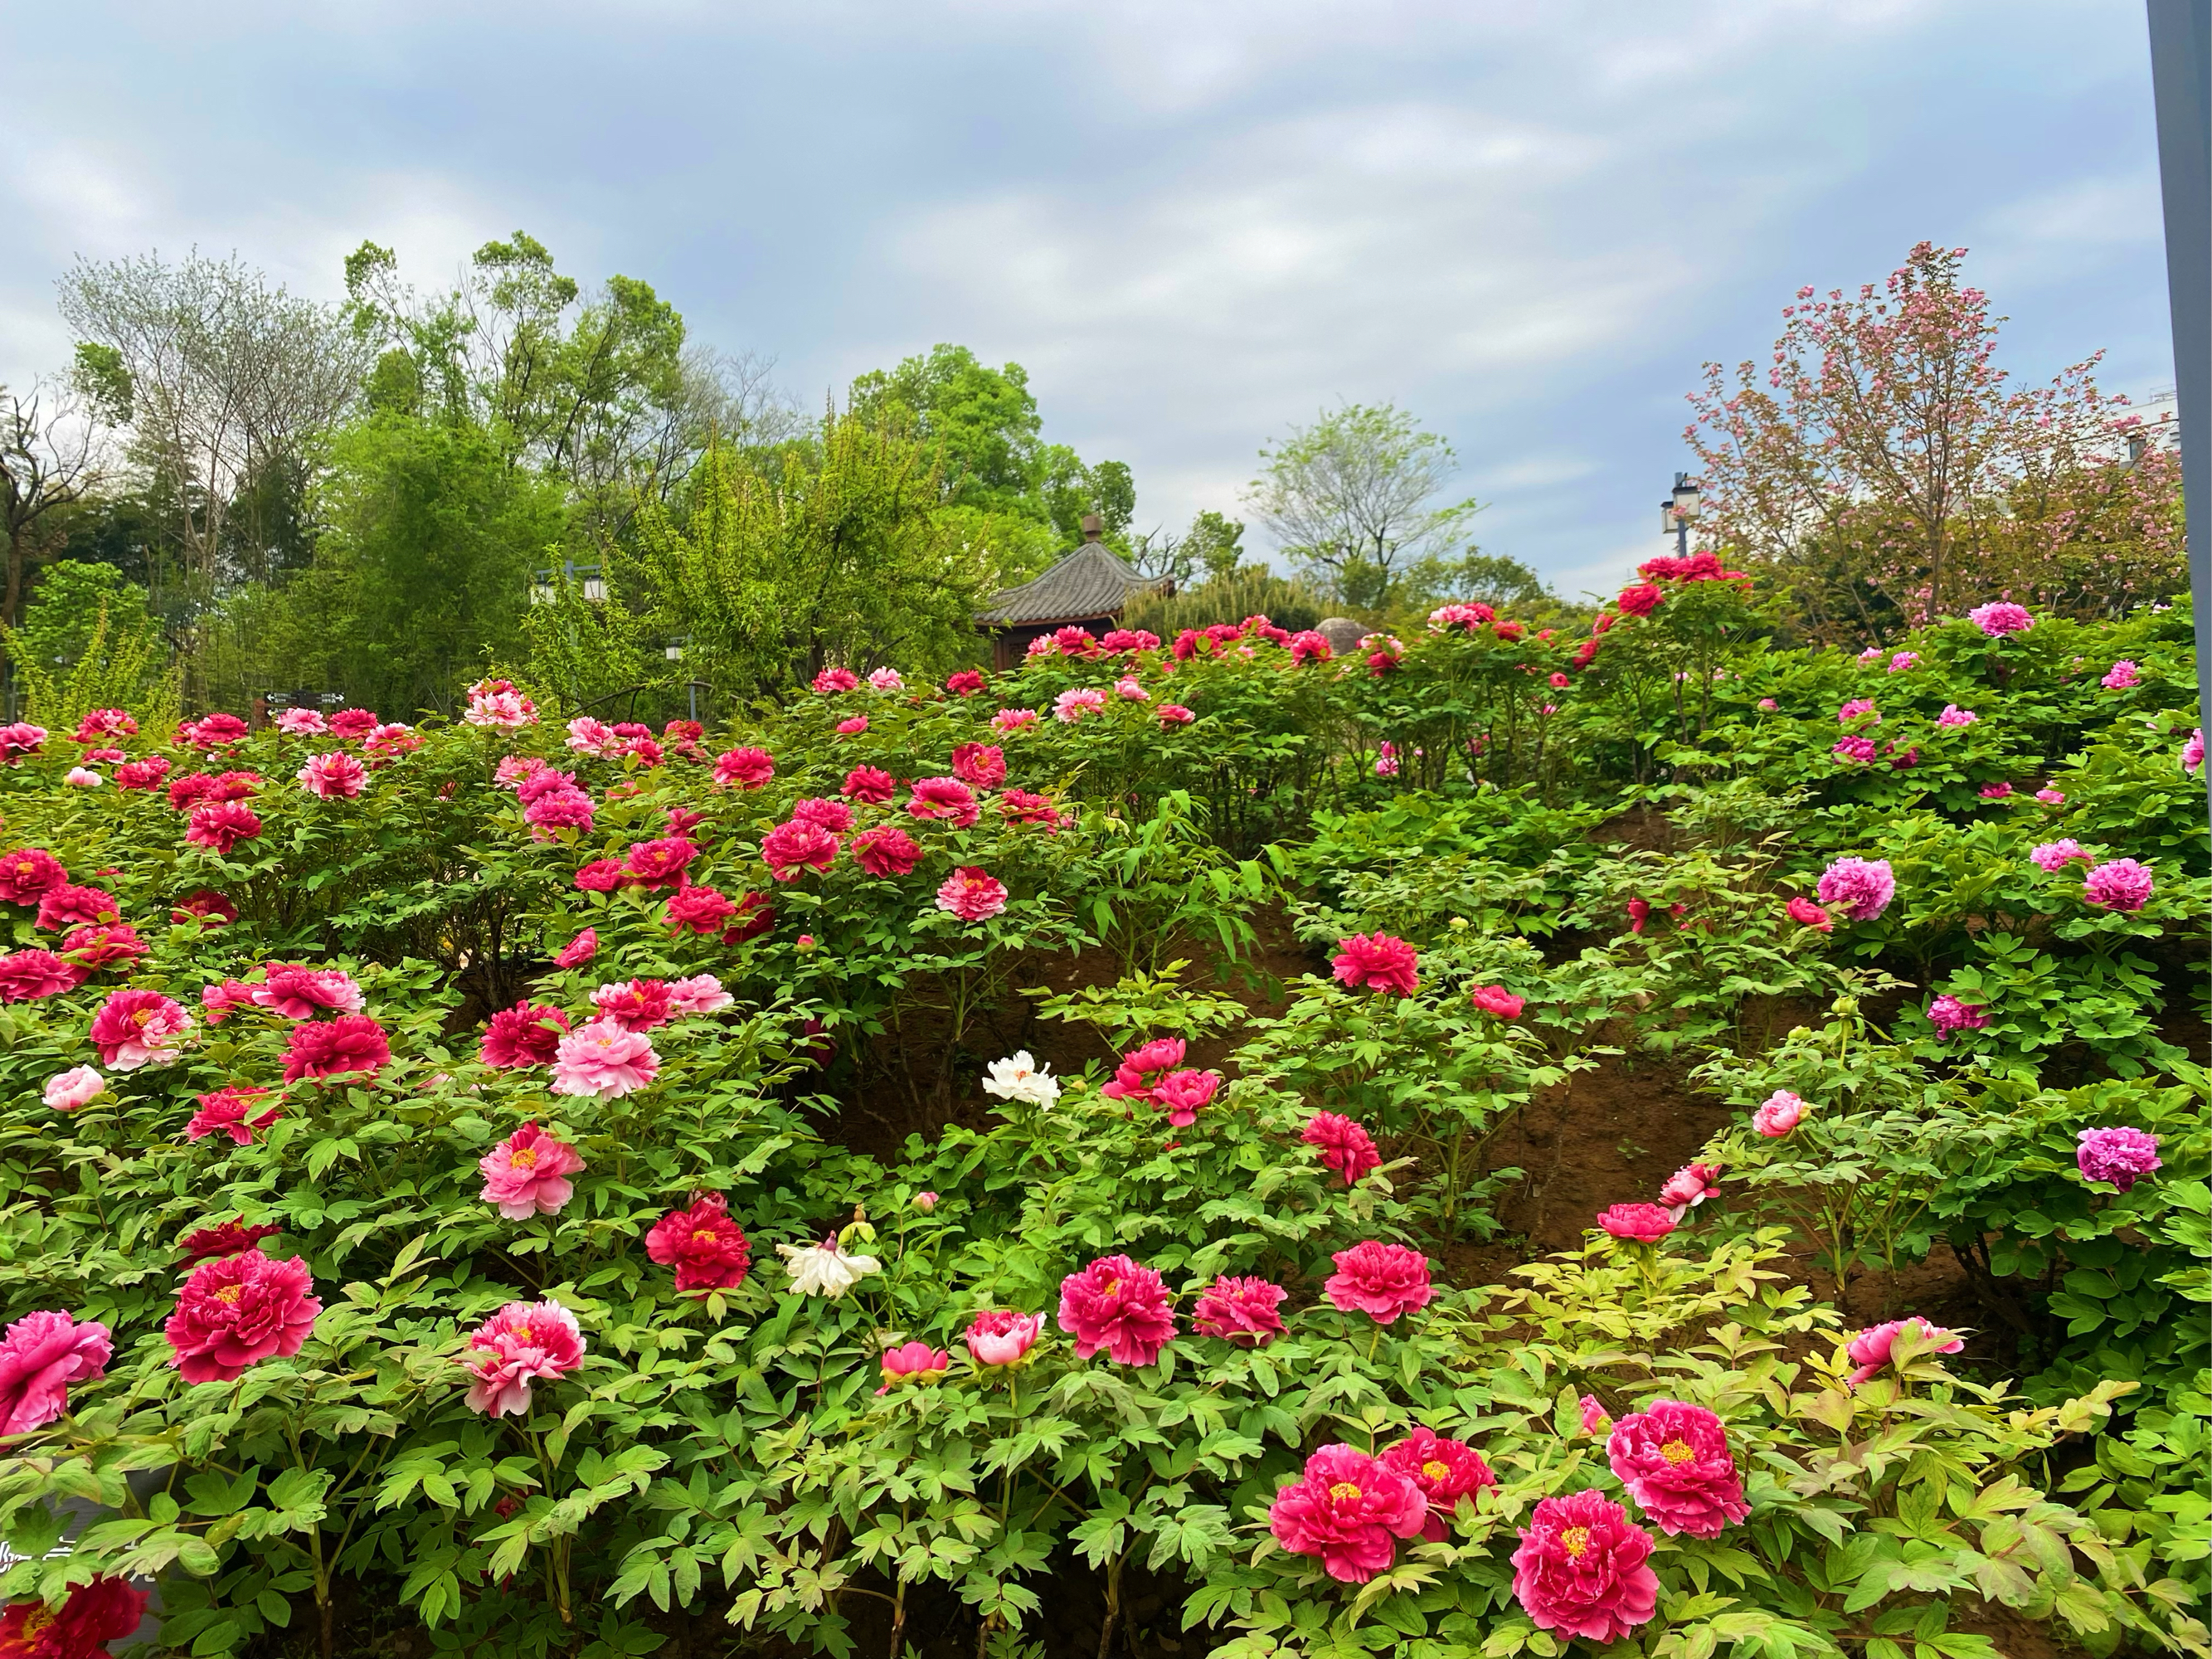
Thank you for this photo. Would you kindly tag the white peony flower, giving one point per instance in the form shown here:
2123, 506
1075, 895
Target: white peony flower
825, 1269
1020, 1077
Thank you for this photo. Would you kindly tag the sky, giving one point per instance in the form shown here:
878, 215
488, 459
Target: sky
1196, 224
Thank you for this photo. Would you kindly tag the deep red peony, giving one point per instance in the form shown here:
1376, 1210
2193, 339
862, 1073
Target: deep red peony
225, 1238
1445, 1471
336, 1048
708, 1250
1118, 1306
96, 1614
237, 1311
525, 1034
1377, 961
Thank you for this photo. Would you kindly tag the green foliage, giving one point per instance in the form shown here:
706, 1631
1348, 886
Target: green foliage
87, 642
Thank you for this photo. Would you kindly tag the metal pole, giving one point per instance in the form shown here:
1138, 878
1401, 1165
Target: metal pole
2181, 84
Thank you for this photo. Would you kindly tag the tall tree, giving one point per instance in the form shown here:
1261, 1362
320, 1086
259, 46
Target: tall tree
49, 460
1349, 497
220, 377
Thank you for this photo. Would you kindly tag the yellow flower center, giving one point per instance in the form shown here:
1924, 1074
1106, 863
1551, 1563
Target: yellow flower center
520, 1333
1345, 1491
1435, 1471
228, 1294
37, 1619
139, 1019
522, 1157
24, 869
1577, 1539
1113, 1289
1677, 1451
703, 1236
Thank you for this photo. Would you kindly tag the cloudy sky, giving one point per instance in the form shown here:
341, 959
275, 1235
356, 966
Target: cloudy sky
1195, 222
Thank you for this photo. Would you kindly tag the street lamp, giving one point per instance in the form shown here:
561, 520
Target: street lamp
1676, 511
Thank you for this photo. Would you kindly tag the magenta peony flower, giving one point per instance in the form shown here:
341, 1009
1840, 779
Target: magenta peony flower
790, 850
1902, 661
350, 1043
139, 1028
1174, 713
708, 1250
1583, 1568
2193, 753
1994, 792
491, 703
40, 1356
1001, 1337
1073, 704
1639, 1224
1999, 618
579, 951
2122, 675
965, 683
527, 1034
1689, 1186
1806, 913
1870, 1349
756, 916
230, 1112
599, 876
1496, 1000
743, 769
1952, 715
887, 850
947, 800
852, 726
1183, 1094
29, 873
1343, 1146
95, 949
1117, 1305
2121, 885
1857, 750
291, 991
1863, 887
1595, 1419
1950, 1016
831, 681
33, 976
1348, 1510
74, 907
337, 775
1640, 599
220, 825
971, 894
1240, 1311
2056, 855
1142, 1067
1377, 961
2120, 1155
1380, 1280
601, 1059
1675, 1460
521, 1343
869, 785
1025, 806
1778, 1114
65, 1091
698, 910
1445, 1471
238, 1310
527, 1173
835, 816
224, 1238
659, 863
1014, 720
983, 764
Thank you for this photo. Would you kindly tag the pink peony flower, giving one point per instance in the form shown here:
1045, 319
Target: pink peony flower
971, 894
835, 816
790, 850
886, 679
1240, 1311
1949, 1016
2051, 797
1640, 1223
1496, 1000
708, 1250
1024, 806
1444, 1470
228, 1112
599, 1058
1380, 1280
19, 739
699, 910
522, 1343
494, 702
1952, 715
1857, 708
743, 769
1999, 618
1129, 688
1183, 1094
1595, 1419
698, 996
913, 1362
29, 873
830, 680
635, 1005
1778, 1114
528, 1033
527, 1174
1348, 1510
2056, 855
1073, 704
947, 800
599, 876
1902, 661
1174, 713
2121, 885
73, 906
1014, 720
350, 1043
1309, 645
1863, 887
220, 825
352, 724
870, 785
291, 992
2120, 1156
1117, 1305
1001, 1336
2193, 753
1344, 1147
1675, 1460
887, 850
1995, 791
83, 777
1377, 961
983, 764
390, 741
336, 775
852, 726
102, 724
1583, 1568
1143, 1067
550, 810
2122, 675
1689, 1186
236, 1311
579, 951
33, 976
41, 1354
1806, 913
1870, 1349
140, 1028
80, 1085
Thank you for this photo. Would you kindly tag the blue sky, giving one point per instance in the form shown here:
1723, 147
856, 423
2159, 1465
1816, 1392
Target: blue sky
1195, 223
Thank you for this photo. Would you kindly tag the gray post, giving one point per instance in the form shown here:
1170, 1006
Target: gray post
2181, 84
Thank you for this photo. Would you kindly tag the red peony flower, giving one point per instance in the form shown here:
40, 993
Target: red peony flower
1583, 1567
1380, 1280
1642, 1224
220, 825
144, 775
28, 874
1142, 1067
983, 764
790, 850
1240, 1311
578, 951
40, 1356
699, 910
96, 1614
72, 907
756, 916
294, 992
869, 785
1344, 1147
1496, 1000
207, 905
708, 1250
1118, 1306
1640, 599
351, 1044
28, 976
659, 863
237, 1311
225, 1238
599, 876
1348, 1510
1184, 1095
1022, 806
1806, 913
743, 769
1675, 1460
1377, 961
947, 800
887, 850
227, 1112
638, 1005
1445, 1471
525, 1034
965, 683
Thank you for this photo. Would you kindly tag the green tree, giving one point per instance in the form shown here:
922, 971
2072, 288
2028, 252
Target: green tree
1504, 584
842, 550
1348, 498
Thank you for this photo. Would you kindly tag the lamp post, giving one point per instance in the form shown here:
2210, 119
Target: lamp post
1676, 511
